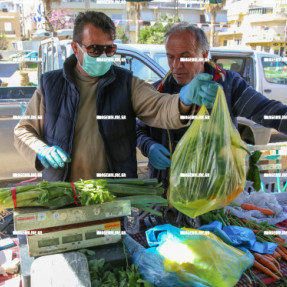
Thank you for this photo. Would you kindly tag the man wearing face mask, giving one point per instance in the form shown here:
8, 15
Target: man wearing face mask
74, 139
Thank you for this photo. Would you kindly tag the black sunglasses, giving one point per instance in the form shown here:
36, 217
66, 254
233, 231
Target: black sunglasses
98, 50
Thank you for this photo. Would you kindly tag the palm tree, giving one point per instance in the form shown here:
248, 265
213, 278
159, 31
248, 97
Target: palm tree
213, 8
134, 6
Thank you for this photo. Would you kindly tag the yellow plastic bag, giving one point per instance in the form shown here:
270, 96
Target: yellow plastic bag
208, 165
204, 260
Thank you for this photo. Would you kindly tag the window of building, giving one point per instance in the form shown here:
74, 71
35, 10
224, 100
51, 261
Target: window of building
225, 43
8, 27
238, 41
262, 10
267, 49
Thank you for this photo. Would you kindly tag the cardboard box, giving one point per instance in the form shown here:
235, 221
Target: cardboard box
38, 218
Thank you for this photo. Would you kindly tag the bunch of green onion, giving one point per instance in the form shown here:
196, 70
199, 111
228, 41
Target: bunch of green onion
143, 194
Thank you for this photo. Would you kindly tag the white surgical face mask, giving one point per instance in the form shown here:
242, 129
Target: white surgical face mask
96, 67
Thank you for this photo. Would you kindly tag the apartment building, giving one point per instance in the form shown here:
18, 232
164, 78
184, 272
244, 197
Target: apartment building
116, 9
16, 19
258, 24
10, 22
124, 13
10, 26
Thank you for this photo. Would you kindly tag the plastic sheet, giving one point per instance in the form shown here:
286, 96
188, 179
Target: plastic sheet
260, 199
208, 165
239, 237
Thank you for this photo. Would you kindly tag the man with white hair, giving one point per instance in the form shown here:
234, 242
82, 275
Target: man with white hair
187, 53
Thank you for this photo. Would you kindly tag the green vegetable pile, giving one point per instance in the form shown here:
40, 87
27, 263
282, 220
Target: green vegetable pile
142, 193
104, 275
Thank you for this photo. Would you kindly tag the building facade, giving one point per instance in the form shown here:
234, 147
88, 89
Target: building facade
125, 17
258, 24
16, 20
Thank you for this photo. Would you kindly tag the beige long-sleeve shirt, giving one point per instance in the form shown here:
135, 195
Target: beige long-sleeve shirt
88, 157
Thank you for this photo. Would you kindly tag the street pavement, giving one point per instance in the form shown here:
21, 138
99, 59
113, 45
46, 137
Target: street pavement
9, 73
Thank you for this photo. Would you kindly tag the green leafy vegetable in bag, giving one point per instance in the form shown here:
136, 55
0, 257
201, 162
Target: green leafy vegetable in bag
208, 165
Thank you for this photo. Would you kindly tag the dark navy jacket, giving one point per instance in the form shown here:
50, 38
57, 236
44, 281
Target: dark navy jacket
113, 98
242, 100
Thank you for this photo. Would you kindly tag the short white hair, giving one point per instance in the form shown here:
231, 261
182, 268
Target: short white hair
201, 39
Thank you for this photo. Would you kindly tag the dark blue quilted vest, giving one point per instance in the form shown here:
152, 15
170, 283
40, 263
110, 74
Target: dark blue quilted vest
113, 98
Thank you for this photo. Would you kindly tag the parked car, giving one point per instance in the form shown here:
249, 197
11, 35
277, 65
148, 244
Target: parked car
17, 56
156, 52
264, 72
53, 53
32, 57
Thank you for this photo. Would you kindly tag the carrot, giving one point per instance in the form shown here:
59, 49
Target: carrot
269, 256
267, 263
255, 231
265, 211
282, 254
272, 259
276, 255
243, 220
279, 239
282, 249
265, 270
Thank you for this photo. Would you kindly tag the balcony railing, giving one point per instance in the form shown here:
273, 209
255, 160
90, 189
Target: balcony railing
231, 30
180, 3
263, 38
260, 10
108, 1
7, 32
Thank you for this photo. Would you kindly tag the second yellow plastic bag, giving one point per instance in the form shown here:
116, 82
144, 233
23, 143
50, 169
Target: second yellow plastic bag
208, 165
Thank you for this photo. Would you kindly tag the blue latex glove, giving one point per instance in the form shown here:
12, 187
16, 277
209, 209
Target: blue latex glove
200, 91
158, 156
52, 156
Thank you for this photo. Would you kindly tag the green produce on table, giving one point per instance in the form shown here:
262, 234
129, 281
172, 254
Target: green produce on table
143, 194
105, 275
